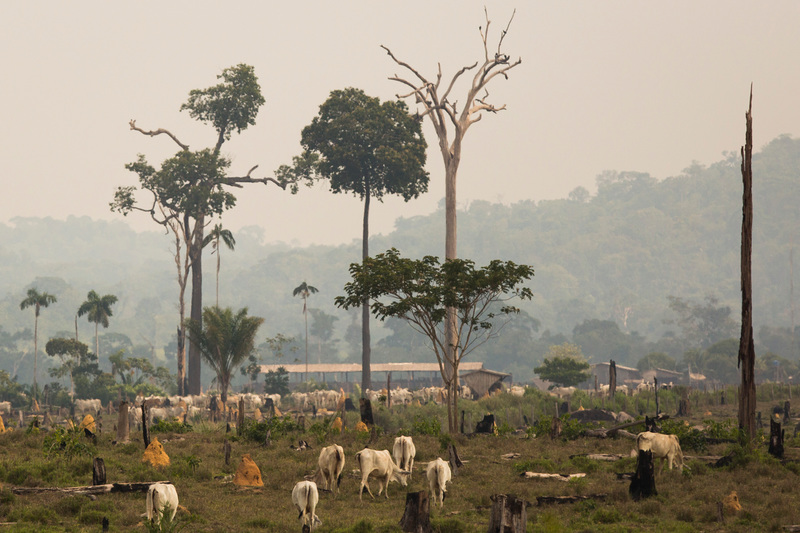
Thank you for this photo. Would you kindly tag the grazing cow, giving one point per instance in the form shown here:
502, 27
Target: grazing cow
517, 391
404, 453
305, 497
438, 473
379, 465
662, 446
331, 464
159, 496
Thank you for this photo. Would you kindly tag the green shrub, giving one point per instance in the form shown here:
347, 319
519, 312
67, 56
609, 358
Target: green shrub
67, 443
277, 427
424, 425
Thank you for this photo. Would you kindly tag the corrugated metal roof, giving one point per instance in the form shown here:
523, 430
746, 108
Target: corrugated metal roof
299, 368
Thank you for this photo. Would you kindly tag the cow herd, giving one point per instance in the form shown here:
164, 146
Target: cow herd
377, 465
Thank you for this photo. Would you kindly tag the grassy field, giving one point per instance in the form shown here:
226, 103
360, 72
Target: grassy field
767, 488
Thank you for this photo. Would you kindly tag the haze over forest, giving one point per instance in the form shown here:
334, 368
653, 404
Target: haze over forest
614, 271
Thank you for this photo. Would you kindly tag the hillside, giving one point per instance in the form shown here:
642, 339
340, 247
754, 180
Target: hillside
611, 258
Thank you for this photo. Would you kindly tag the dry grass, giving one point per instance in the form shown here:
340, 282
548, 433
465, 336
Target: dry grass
685, 502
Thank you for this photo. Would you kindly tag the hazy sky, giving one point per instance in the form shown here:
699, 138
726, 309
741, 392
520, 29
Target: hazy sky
644, 86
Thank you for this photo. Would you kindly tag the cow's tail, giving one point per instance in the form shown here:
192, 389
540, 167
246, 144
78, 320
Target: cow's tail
339, 467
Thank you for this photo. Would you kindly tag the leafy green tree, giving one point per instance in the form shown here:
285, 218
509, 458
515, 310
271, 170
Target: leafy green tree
137, 375
304, 290
190, 187
422, 290
277, 382
72, 353
277, 346
225, 340
322, 329
215, 236
368, 148
10, 390
98, 310
564, 366
702, 324
38, 301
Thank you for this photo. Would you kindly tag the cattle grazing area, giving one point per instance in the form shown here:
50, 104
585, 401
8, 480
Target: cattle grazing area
574, 475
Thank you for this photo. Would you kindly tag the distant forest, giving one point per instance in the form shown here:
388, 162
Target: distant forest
644, 271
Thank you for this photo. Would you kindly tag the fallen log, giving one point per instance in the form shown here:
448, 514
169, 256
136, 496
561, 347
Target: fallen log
91, 489
543, 500
560, 477
602, 456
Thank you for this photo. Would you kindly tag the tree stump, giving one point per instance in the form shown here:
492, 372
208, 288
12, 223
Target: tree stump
786, 417
416, 517
509, 514
775, 439
366, 412
643, 483
226, 448
683, 407
612, 379
486, 425
98, 471
123, 425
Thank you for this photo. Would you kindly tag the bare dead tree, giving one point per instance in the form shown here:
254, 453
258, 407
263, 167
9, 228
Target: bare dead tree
438, 104
747, 356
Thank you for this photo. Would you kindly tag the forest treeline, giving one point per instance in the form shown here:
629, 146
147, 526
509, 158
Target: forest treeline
641, 267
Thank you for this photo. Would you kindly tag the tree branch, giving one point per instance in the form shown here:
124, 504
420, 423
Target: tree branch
159, 131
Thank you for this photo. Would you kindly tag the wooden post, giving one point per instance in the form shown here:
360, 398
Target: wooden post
509, 514
98, 471
388, 390
123, 424
227, 449
612, 379
786, 409
643, 483
416, 517
240, 418
555, 428
145, 428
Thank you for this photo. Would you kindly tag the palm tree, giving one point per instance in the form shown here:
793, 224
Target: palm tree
97, 310
304, 290
36, 300
214, 236
225, 341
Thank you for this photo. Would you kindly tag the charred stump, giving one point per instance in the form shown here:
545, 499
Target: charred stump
455, 460
643, 483
486, 425
509, 514
366, 412
555, 428
98, 471
416, 517
775, 439
145, 428
612, 379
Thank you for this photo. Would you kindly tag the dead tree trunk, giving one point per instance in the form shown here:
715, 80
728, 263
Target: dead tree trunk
747, 355
240, 418
123, 425
98, 471
509, 514
455, 460
416, 517
643, 483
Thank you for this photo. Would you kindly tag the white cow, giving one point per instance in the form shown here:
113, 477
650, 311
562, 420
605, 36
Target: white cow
305, 497
379, 465
438, 473
331, 464
404, 453
5, 407
159, 496
662, 446
88, 406
517, 391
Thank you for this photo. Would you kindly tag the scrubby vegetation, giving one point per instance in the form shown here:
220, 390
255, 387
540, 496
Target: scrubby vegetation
493, 463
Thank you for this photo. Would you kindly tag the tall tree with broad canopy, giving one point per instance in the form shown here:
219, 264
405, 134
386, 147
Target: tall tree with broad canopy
445, 112
98, 310
368, 148
421, 290
216, 236
225, 340
37, 300
190, 187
